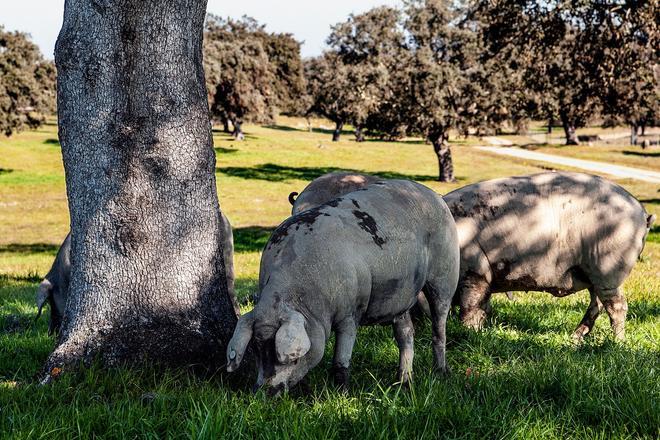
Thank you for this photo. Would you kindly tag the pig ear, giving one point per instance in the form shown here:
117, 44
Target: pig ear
44, 292
291, 340
239, 342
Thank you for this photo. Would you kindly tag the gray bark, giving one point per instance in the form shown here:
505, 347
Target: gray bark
148, 277
569, 130
634, 130
445, 162
359, 134
336, 135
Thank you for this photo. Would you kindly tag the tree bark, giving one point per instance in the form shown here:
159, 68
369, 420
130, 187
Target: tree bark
359, 134
634, 129
440, 141
238, 130
569, 130
225, 124
148, 280
336, 135
551, 122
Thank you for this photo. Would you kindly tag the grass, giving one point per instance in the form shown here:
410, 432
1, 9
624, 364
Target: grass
520, 378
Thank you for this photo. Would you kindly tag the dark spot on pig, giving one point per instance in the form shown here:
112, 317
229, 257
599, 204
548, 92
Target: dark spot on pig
305, 218
334, 203
356, 204
368, 224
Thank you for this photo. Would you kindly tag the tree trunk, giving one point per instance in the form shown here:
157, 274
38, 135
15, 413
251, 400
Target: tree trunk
569, 130
643, 129
238, 130
336, 135
551, 123
359, 134
225, 124
148, 277
441, 147
633, 134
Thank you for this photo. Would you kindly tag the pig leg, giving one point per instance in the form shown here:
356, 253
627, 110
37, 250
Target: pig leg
474, 301
345, 334
595, 307
439, 303
616, 306
404, 333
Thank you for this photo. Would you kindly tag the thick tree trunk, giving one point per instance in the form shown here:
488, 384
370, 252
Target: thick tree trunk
148, 277
359, 134
551, 123
336, 135
441, 147
633, 134
569, 130
238, 130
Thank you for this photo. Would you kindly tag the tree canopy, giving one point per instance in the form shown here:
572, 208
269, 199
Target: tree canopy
27, 83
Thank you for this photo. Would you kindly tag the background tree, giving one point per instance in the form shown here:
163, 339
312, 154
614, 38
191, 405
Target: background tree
27, 83
447, 87
362, 53
251, 74
629, 48
574, 56
148, 279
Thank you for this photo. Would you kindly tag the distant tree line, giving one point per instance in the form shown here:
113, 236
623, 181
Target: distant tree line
435, 66
428, 68
27, 83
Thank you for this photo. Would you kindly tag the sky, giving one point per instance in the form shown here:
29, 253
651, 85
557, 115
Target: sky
308, 20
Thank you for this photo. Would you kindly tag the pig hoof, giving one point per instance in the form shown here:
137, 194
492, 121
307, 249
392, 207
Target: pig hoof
341, 376
404, 379
442, 371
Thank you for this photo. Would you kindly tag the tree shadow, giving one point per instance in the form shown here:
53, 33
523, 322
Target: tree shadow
650, 201
5, 171
52, 141
223, 150
251, 238
30, 248
642, 154
13, 278
282, 128
278, 173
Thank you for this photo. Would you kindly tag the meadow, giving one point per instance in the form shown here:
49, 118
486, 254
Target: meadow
520, 378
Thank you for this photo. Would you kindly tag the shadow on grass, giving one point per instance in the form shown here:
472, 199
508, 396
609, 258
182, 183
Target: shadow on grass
278, 173
226, 150
282, 128
30, 248
52, 141
650, 201
12, 278
5, 171
642, 153
251, 239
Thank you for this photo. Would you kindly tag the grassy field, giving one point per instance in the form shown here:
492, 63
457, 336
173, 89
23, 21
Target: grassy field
519, 378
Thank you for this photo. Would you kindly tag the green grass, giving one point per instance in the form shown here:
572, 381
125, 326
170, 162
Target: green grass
520, 378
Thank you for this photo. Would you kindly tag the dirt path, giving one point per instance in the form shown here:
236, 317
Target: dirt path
598, 167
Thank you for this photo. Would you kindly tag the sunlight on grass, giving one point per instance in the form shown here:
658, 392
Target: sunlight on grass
521, 377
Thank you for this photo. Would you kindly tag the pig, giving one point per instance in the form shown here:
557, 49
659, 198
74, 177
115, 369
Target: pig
356, 260
329, 187
54, 289
552, 232
527, 197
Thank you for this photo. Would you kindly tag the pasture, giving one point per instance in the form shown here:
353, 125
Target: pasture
519, 378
